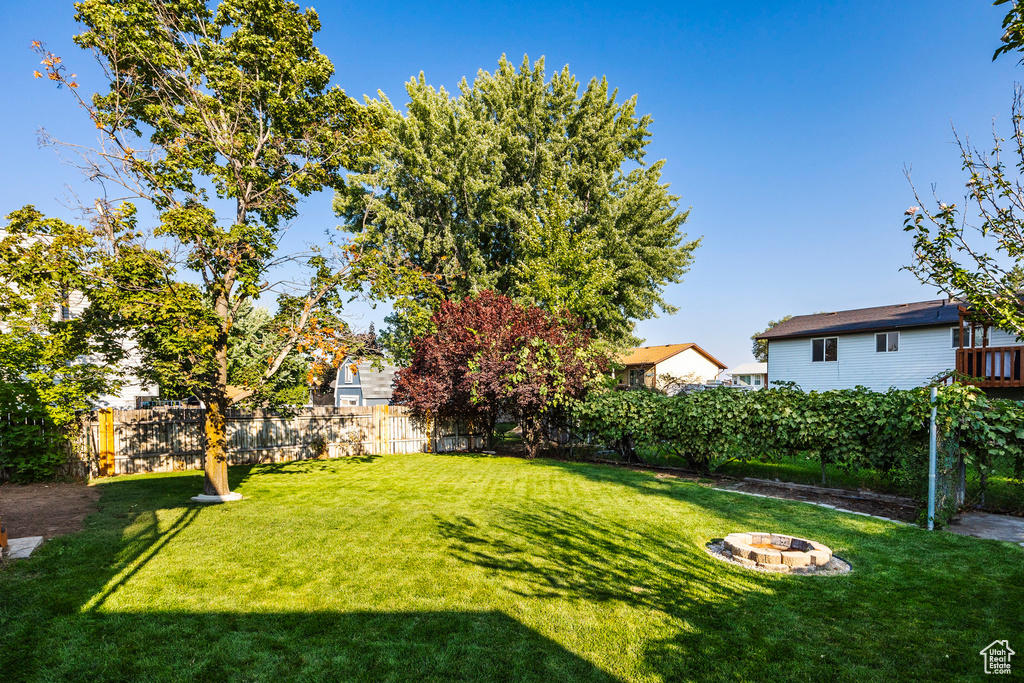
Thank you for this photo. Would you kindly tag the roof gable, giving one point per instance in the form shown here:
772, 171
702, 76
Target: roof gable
652, 355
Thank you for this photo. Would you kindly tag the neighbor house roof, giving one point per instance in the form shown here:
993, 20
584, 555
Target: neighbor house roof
652, 355
748, 369
919, 314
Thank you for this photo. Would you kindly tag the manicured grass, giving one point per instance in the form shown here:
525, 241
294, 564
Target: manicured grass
1004, 493
433, 567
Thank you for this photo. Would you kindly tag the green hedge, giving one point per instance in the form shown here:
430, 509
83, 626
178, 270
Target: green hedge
855, 428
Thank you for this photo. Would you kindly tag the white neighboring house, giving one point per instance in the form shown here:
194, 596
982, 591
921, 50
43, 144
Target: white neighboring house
359, 384
753, 375
901, 346
645, 364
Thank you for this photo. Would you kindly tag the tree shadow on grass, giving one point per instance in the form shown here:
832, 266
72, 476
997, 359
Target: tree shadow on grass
738, 512
552, 552
309, 466
465, 454
904, 619
56, 622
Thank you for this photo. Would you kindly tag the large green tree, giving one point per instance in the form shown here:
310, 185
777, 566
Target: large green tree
524, 185
975, 252
55, 358
221, 118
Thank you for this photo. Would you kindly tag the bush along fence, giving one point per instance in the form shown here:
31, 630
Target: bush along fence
856, 428
32, 447
113, 442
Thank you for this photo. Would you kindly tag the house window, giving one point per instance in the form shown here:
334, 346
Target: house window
955, 337
887, 342
348, 401
757, 380
825, 350
348, 373
636, 378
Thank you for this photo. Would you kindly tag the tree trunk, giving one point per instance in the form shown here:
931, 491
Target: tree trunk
215, 428
215, 461
491, 419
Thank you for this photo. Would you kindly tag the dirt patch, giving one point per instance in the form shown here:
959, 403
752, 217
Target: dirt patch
872, 507
45, 509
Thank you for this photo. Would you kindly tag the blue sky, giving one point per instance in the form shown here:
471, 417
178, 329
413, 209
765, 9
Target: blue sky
786, 126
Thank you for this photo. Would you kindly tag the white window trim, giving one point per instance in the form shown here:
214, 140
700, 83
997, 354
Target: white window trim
967, 333
899, 341
348, 373
824, 358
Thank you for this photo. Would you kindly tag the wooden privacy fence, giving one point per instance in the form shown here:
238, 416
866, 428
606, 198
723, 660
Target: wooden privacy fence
168, 439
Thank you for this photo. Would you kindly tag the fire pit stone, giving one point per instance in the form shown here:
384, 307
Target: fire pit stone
777, 552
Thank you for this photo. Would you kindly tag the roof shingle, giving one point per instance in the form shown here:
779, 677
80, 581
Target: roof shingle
652, 355
918, 314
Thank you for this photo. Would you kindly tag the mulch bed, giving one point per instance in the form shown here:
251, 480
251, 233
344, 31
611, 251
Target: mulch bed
45, 509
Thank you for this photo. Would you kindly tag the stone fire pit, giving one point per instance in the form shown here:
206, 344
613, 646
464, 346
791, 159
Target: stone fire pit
776, 552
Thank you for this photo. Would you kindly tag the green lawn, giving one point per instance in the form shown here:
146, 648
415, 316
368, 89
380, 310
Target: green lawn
1005, 494
434, 567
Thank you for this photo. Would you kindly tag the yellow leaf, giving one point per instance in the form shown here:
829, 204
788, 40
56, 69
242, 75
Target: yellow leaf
37, 74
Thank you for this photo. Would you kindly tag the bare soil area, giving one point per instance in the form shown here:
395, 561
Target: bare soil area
45, 509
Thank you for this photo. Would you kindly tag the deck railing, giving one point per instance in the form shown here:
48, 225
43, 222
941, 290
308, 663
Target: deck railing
997, 366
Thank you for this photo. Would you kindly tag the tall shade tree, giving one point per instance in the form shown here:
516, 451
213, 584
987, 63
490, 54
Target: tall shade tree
525, 186
975, 252
221, 118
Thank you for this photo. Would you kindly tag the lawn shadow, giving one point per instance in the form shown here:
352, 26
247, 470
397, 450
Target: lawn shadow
56, 623
317, 646
465, 454
550, 552
237, 474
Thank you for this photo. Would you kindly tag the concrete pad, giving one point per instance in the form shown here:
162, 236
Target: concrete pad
21, 548
985, 525
227, 498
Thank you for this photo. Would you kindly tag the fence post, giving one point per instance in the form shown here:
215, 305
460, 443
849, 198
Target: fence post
932, 456
106, 444
379, 422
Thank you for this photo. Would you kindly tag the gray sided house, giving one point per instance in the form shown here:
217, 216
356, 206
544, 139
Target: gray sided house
902, 347
360, 384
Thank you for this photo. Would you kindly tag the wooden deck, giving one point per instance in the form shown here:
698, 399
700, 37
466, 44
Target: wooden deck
994, 366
